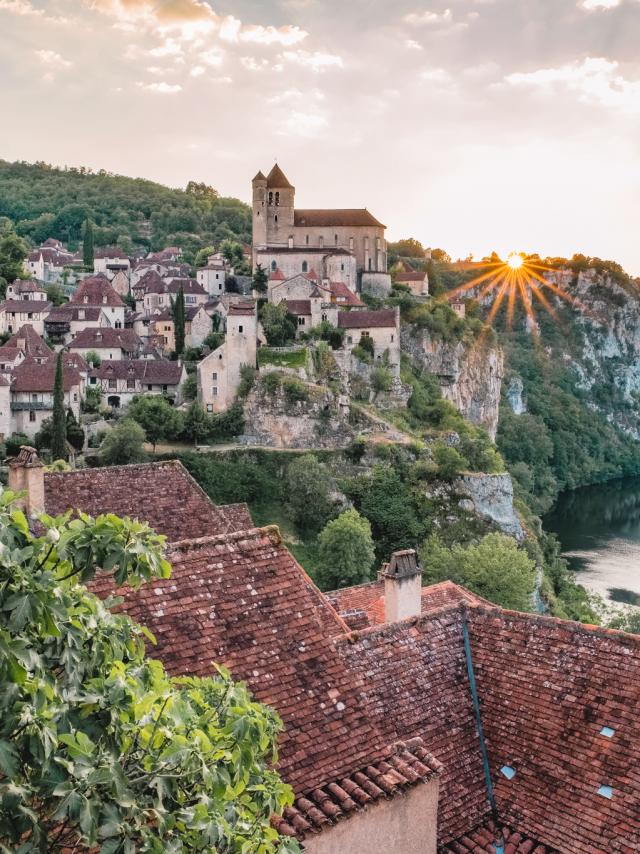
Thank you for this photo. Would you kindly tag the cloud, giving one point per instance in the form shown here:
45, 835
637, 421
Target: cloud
303, 124
316, 61
594, 80
162, 88
53, 60
412, 44
20, 7
591, 5
428, 18
435, 75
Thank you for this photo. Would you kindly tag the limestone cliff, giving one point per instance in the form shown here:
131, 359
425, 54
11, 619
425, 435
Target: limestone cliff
470, 374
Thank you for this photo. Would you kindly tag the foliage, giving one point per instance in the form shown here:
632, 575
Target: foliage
308, 487
196, 423
450, 462
93, 359
362, 354
381, 379
366, 344
157, 417
628, 621
439, 319
271, 383
37, 198
92, 399
75, 433
294, 390
190, 387
279, 326
178, 321
123, 444
13, 442
247, 380
495, 568
227, 424
346, 552
288, 359
98, 745
87, 244
214, 340
260, 280
326, 331
59, 421
408, 247
13, 251
202, 255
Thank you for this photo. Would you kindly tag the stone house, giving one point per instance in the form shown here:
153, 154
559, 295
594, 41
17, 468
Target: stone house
417, 281
382, 327
23, 289
416, 719
120, 380
67, 320
26, 342
197, 325
17, 313
47, 262
32, 384
212, 277
96, 292
281, 229
110, 261
120, 283
145, 266
337, 264
107, 343
459, 306
219, 373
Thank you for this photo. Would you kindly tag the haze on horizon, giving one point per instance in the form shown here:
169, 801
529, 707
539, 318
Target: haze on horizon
474, 125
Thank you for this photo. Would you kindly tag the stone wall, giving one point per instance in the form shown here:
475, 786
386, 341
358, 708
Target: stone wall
491, 497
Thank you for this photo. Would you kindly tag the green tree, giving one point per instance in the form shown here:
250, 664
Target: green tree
87, 244
179, 320
381, 379
156, 416
345, 551
190, 387
75, 433
309, 487
55, 294
123, 444
99, 747
495, 569
93, 359
232, 252
59, 419
279, 326
13, 251
260, 280
197, 424
450, 461
202, 254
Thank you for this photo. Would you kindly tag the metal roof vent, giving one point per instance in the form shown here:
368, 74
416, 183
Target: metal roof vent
508, 772
606, 792
607, 732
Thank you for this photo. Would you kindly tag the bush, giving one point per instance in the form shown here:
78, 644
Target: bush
366, 344
450, 462
214, 340
93, 359
329, 333
92, 399
294, 390
227, 424
279, 326
362, 355
381, 379
271, 383
356, 450
247, 380
14, 441
346, 552
190, 387
123, 444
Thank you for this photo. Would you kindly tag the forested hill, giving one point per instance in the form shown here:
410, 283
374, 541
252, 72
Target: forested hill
44, 201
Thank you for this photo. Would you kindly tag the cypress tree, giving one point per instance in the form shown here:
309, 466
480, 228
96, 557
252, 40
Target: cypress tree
178, 321
87, 245
59, 425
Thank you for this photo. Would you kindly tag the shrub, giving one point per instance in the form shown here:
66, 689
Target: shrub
14, 441
190, 387
366, 344
247, 380
346, 553
91, 400
123, 444
356, 450
450, 462
381, 379
362, 355
294, 390
271, 383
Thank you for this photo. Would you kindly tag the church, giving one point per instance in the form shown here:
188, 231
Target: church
341, 245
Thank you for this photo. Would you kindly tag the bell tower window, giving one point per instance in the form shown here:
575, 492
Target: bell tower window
277, 198
270, 198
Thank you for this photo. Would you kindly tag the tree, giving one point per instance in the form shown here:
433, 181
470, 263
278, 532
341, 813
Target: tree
408, 247
232, 252
98, 745
75, 433
55, 294
59, 419
13, 251
260, 280
156, 416
346, 551
93, 359
196, 423
279, 326
450, 462
178, 321
381, 379
202, 254
309, 487
190, 387
123, 444
87, 244
495, 569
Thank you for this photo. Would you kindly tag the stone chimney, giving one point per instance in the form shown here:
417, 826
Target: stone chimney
26, 475
402, 586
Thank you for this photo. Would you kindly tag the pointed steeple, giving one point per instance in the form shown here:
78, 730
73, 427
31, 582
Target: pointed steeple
259, 177
277, 180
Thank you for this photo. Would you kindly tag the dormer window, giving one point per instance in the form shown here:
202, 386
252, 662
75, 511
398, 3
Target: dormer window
85, 299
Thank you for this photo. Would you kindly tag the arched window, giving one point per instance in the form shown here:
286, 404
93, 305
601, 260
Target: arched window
273, 265
270, 198
335, 239
277, 198
276, 217
305, 267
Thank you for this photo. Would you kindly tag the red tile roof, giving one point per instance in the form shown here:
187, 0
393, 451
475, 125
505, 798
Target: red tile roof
33, 306
68, 312
242, 308
158, 371
298, 306
343, 295
483, 840
277, 275
28, 340
30, 375
163, 494
96, 291
95, 336
410, 276
367, 319
313, 217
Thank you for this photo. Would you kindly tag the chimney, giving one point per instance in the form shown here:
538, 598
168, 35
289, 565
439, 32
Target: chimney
26, 475
402, 586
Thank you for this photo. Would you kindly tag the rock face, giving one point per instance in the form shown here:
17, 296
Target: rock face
470, 375
491, 497
514, 396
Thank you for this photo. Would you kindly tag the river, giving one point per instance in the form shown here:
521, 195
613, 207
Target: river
599, 529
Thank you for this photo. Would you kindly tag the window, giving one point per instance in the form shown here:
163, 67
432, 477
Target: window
306, 240
300, 321
92, 380
290, 242
273, 265
75, 396
113, 384
34, 398
276, 217
392, 339
349, 339
30, 315
305, 267
277, 198
240, 328
270, 198
131, 384
324, 316
321, 241
369, 264
149, 387
508, 772
32, 415
351, 243
165, 388
209, 407
335, 239
118, 324
214, 376
214, 391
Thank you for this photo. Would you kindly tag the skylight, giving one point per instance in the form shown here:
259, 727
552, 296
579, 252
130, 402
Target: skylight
606, 792
607, 732
508, 772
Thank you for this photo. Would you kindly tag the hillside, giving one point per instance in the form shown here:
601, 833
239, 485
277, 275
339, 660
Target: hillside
44, 201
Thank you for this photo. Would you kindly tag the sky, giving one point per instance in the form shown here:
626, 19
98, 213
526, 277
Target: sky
472, 125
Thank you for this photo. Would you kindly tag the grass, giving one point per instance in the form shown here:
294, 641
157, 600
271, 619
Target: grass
289, 359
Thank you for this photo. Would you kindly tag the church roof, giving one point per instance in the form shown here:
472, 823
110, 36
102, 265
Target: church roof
258, 177
313, 217
278, 180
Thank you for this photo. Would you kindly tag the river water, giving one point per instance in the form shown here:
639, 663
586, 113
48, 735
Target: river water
599, 528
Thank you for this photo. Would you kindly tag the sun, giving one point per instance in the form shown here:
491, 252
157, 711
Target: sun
515, 261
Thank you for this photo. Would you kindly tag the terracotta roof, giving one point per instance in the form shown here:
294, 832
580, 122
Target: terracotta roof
277, 179
68, 312
154, 371
343, 295
110, 252
298, 306
23, 306
95, 336
245, 308
277, 275
411, 276
189, 286
27, 339
258, 177
98, 291
163, 494
34, 376
151, 282
367, 319
26, 286
483, 840
314, 217
403, 766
